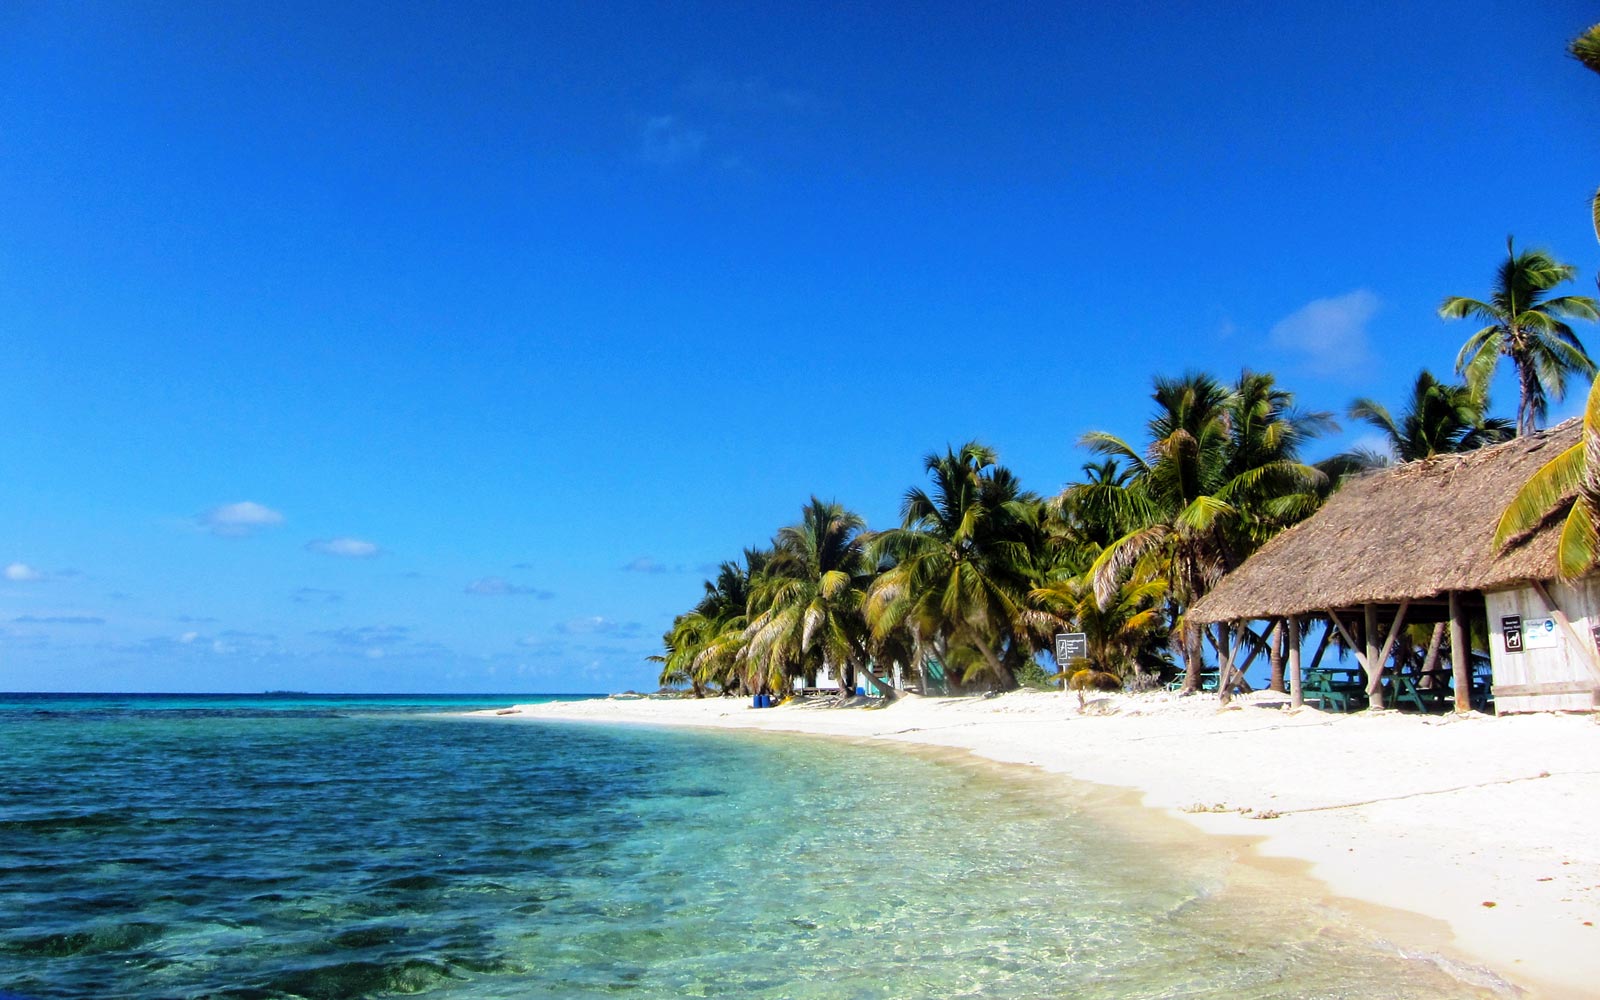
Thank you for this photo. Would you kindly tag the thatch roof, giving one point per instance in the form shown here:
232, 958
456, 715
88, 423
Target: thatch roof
1411, 532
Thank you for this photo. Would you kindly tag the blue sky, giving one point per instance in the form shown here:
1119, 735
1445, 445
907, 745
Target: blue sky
442, 347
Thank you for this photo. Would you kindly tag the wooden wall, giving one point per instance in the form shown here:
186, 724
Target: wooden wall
1552, 672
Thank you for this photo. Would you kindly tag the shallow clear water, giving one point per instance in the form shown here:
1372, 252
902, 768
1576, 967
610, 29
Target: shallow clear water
261, 848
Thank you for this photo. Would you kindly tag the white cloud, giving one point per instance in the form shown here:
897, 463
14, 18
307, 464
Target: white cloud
598, 625
1330, 334
19, 572
750, 93
236, 520
499, 586
645, 564
349, 548
665, 141
59, 620
188, 637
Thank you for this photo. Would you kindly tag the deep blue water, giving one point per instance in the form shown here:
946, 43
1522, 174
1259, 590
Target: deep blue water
330, 847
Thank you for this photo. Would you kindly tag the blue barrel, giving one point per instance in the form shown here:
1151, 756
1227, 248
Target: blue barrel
755, 702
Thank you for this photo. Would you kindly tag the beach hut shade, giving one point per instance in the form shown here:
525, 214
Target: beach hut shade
1414, 532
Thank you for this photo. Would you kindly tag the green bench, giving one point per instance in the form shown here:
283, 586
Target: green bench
1405, 692
1320, 687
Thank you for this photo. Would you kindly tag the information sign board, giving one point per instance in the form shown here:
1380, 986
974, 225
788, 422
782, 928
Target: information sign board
1071, 646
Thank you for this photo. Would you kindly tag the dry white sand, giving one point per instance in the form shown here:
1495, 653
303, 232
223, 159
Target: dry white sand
1489, 825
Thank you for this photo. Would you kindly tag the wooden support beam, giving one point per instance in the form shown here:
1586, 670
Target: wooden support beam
1458, 654
1375, 676
1435, 640
1225, 664
1369, 632
1349, 640
1292, 623
1322, 647
1586, 652
1230, 675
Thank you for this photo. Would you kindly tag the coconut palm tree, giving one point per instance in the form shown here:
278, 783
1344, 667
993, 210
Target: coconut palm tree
957, 569
1221, 472
1439, 419
1574, 474
1125, 636
807, 607
1525, 326
1586, 48
705, 646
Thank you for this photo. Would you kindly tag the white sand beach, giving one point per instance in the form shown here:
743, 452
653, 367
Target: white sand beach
1489, 825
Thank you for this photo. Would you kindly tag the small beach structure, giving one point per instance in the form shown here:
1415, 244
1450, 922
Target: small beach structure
1413, 545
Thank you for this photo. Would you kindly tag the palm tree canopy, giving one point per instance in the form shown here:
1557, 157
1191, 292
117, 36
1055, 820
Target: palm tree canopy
958, 567
1523, 324
1439, 418
1586, 48
1572, 476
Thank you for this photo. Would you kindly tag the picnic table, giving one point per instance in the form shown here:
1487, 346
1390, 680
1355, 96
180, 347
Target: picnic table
1334, 688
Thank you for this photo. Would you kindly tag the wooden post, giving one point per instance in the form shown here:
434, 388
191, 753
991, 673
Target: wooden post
1295, 696
1458, 655
1369, 622
1388, 647
1322, 647
1431, 661
1225, 665
1349, 640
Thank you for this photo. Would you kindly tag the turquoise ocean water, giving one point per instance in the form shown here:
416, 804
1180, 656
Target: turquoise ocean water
329, 847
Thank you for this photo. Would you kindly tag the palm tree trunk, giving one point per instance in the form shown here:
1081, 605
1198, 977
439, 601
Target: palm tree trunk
883, 684
1532, 396
1192, 652
1002, 674
1431, 661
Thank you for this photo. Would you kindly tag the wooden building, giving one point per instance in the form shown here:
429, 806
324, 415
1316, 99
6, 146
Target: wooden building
1413, 545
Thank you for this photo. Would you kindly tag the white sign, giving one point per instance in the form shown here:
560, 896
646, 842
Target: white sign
1540, 633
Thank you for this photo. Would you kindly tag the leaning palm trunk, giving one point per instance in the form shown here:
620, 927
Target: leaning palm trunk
1003, 675
881, 683
1192, 652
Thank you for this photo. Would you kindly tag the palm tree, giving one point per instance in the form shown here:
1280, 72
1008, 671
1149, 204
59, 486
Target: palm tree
1439, 419
1125, 636
705, 646
1220, 474
957, 569
810, 601
1586, 48
1523, 325
1575, 474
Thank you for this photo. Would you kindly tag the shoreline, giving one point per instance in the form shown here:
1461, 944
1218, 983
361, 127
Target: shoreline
1484, 827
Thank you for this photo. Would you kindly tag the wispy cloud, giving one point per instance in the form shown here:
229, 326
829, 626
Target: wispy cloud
666, 141
236, 520
20, 572
373, 641
1330, 335
348, 548
749, 93
645, 564
499, 586
316, 595
598, 625
366, 635
538, 646
58, 620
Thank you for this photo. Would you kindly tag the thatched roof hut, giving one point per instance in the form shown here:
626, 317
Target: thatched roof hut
1414, 533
